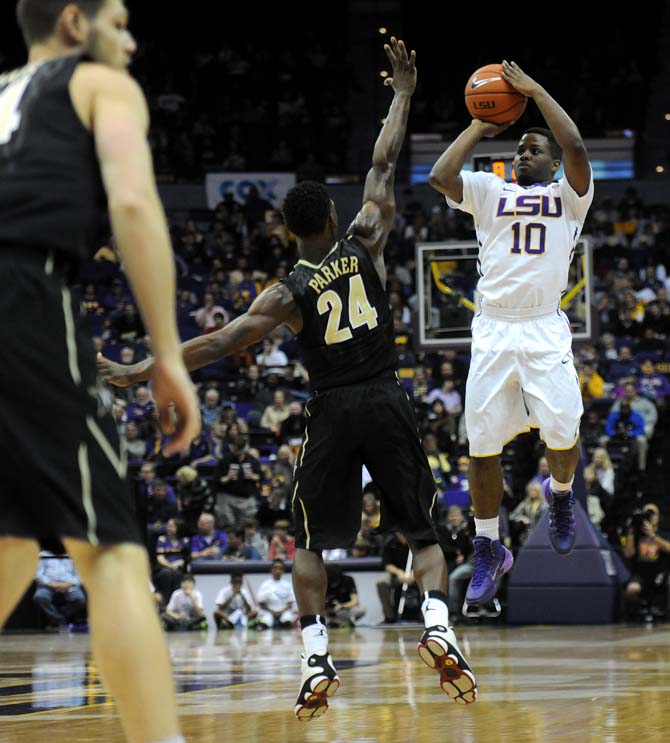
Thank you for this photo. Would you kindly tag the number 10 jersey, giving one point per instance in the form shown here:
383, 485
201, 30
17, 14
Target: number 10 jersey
526, 235
347, 333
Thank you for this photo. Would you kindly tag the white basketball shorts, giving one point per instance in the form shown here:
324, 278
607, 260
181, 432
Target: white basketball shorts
522, 376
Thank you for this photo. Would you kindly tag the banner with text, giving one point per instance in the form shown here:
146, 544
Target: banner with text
271, 186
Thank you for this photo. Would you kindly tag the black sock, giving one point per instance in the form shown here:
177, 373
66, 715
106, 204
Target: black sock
307, 619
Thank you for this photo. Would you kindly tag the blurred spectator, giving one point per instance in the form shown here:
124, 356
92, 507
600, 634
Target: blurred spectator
438, 461
626, 425
276, 504
276, 600
170, 558
236, 549
274, 415
342, 604
455, 538
135, 444
542, 470
624, 367
603, 470
193, 498
271, 358
253, 538
211, 409
441, 425
654, 386
457, 491
292, 429
394, 557
204, 317
647, 555
526, 515
184, 610
235, 605
591, 383
202, 450
160, 508
641, 405
142, 408
239, 478
208, 543
59, 595
128, 326
282, 544
449, 395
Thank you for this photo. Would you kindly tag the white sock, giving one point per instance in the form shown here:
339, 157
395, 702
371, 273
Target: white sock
560, 488
487, 528
438, 611
315, 638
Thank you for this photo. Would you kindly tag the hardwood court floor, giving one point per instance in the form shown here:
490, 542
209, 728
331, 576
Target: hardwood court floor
588, 684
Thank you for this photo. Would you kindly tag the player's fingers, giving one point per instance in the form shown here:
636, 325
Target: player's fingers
389, 53
167, 425
403, 51
388, 81
185, 432
412, 59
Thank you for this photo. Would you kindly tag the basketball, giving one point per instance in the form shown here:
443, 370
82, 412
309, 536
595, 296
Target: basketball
490, 97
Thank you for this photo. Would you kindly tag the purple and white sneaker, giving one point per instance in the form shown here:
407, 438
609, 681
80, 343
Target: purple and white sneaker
562, 525
492, 559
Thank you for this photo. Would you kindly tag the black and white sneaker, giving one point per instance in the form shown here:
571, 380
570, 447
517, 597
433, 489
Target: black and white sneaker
438, 649
319, 682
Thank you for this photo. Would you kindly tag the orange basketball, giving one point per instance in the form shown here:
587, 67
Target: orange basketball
490, 97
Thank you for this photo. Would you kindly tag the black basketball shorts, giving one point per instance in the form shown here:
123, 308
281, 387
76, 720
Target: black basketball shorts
371, 424
63, 470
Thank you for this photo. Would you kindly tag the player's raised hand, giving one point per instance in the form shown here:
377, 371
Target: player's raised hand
172, 385
488, 129
112, 372
516, 77
403, 76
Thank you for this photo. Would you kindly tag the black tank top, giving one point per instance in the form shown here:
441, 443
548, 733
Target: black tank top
347, 333
51, 192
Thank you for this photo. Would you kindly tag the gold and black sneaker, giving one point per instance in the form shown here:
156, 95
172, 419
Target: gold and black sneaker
438, 649
319, 682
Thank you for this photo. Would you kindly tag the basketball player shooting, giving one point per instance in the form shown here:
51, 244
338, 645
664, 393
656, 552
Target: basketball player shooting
522, 373
335, 302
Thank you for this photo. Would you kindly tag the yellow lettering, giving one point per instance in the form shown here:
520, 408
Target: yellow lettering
328, 274
353, 261
345, 264
335, 265
314, 285
322, 282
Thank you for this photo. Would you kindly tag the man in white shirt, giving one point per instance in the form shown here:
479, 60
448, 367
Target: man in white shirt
235, 605
276, 599
522, 373
184, 610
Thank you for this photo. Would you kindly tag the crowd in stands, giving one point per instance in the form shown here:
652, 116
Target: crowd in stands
229, 498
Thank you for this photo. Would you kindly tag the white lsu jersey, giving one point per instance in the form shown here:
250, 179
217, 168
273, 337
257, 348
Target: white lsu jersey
526, 235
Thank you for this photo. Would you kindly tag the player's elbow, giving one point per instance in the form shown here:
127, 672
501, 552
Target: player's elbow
130, 204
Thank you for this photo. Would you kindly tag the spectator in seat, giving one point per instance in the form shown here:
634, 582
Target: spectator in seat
438, 461
271, 359
526, 515
342, 604
282, 544
143, 407
542, 470
208, 543
235, 605
59, 595
170, 560
276, 600
160, 508
590, 382
236, 549
653, 386
394, 556
211, 409
274, 415
135, 444
193, 498
626, 425
202, 450
204, 317
239, 478
254, 538
623, 367
292, 429
184, 610
603, 470
647, 555
643, 406
449, 395
128, 327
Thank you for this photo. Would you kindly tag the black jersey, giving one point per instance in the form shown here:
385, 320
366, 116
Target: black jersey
51, 192
347, 333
